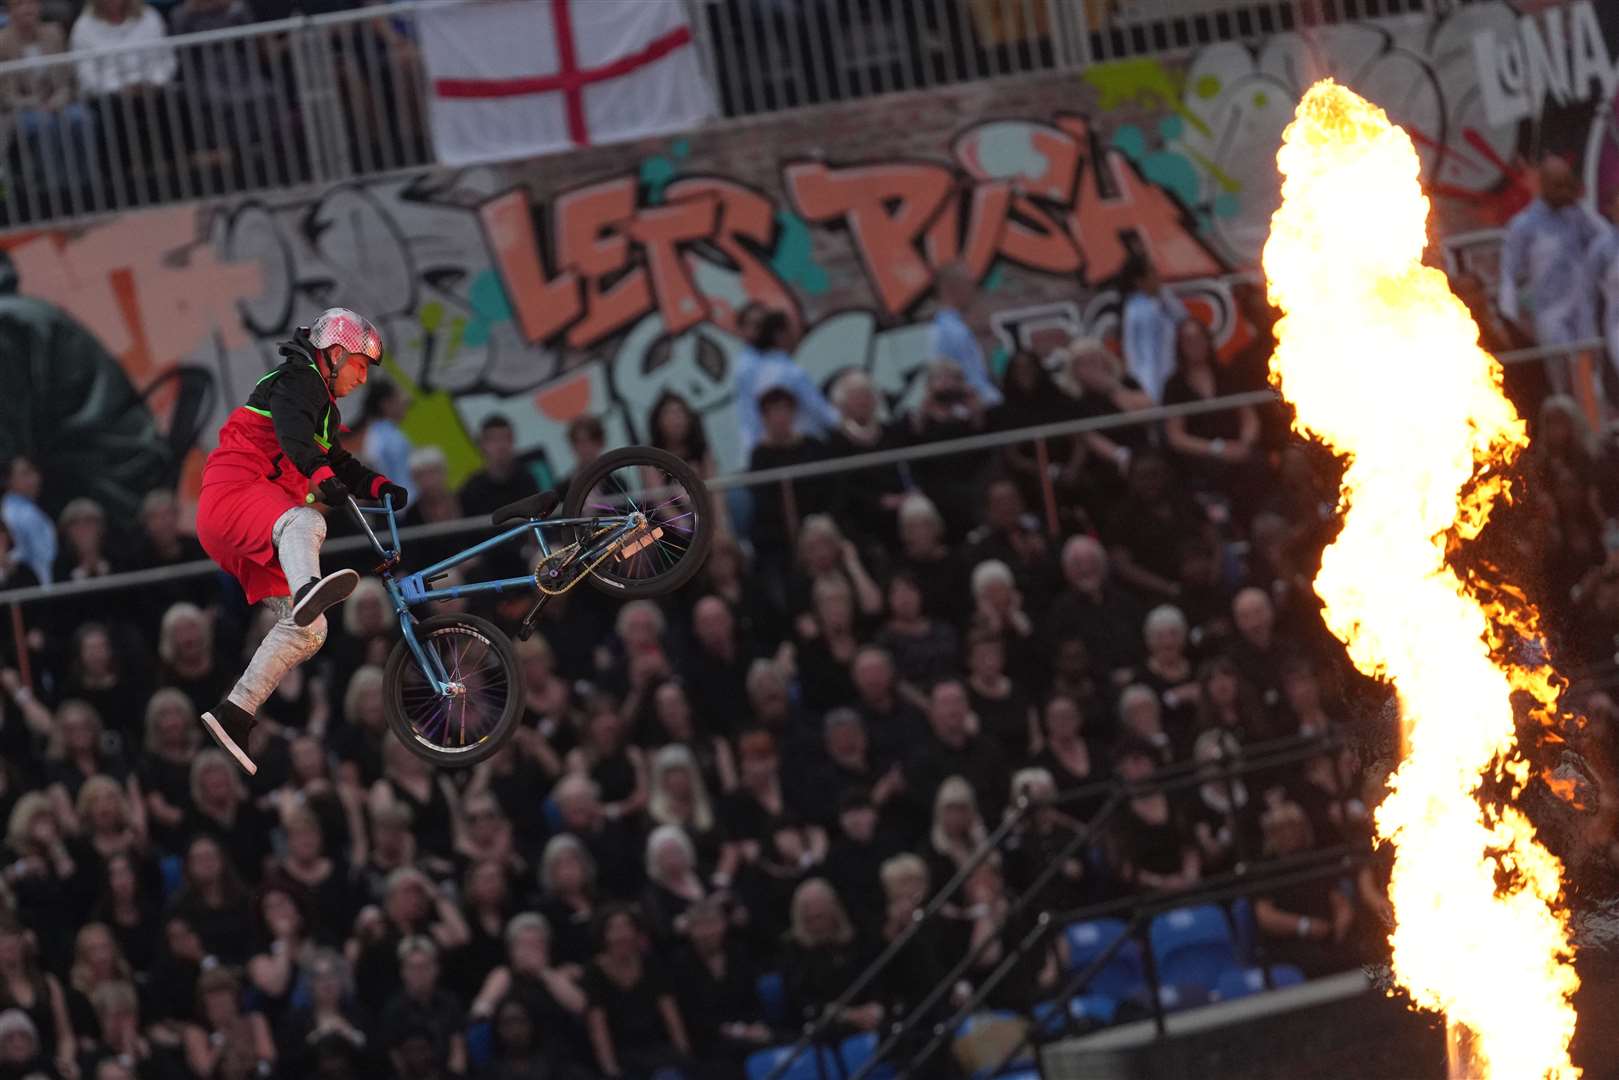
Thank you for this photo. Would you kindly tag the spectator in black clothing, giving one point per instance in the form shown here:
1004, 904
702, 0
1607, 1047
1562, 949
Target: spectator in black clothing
162, 544
187, 657
422, 1007
1307, 924
824, 656
846, 764
1096, 610
777, 508
673, 425
225, 1040
587, 438
551, 994
950, 409
612, 845
1227, 700
27, 986
866, 501
1149, 526
520, 1053
1152, 845
83, 528
718, 663
221, 808
21, 1056
214, 902
46, 883
717, 977
953, 750
331, 1013
855, 857
129, 907
1030, 397
1049, 834
568, 899
1219, 451
164, 768
1013, 536
932, 562
821, 959
635, 1026
1259, 653
502, 479
1005, 712
894, 725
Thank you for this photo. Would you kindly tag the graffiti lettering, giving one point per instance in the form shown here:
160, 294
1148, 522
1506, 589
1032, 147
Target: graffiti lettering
1545, 60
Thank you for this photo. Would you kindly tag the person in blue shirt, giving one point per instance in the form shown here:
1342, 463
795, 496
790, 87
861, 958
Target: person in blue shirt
33, 533
1151, 314
387, 448
1544, 254
764, 364
953, 339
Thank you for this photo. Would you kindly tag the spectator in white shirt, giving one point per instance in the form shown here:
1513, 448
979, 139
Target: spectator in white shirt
1545, 253
130, 23
1602, 270
1151, 314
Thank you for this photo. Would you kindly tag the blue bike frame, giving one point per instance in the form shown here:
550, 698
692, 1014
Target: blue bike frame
412, 589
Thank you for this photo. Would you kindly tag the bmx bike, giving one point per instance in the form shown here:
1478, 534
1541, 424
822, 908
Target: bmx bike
636, 523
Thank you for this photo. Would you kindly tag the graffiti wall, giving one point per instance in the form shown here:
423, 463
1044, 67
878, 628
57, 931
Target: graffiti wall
592, 283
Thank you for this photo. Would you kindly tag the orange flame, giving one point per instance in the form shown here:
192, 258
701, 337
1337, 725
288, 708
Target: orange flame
1382, 363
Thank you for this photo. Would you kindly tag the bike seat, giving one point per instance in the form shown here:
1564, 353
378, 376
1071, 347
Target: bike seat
534, 506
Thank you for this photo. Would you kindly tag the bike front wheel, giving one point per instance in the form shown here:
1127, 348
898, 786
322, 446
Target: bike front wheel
675, 505
468, 725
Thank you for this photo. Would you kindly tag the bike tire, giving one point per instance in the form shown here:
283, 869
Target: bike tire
696, 491
401, 661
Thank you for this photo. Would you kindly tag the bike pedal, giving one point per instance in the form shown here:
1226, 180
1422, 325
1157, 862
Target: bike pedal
640, 544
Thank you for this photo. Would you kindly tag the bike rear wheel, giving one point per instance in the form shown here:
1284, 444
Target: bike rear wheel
679, 514
467, 727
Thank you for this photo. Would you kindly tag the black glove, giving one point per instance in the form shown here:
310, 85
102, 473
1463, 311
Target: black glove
399, 494
333, 491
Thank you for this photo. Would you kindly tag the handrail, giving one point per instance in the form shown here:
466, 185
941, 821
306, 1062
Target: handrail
1260, 756
810, 470
1276, 873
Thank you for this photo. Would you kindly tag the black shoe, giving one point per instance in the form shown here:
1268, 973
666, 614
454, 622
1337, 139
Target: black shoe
317, 594
230, 725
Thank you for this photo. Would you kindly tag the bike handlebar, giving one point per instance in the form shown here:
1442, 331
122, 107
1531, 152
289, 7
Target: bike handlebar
358, 513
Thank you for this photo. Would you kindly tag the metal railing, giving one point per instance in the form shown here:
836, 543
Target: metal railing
1251, 877
221, 112
328, 98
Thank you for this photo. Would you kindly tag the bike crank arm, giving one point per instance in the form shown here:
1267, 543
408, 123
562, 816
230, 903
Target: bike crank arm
623, 543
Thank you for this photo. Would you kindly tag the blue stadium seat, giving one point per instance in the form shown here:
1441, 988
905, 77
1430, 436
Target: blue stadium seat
480, 1044
553, 815
761, 1063
1240, 982
1121, 977
1192, 945
857, 1050
772, 998
1244, 928
1088, 1010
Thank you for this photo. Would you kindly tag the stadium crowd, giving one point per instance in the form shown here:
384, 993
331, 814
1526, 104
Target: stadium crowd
769, 772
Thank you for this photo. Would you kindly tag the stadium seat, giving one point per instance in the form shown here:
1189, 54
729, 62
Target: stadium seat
804, 1067
1244, 928
553, 815
857, 1050
1121, 977
1192, 945
1241, 982
1088, 1011
772, 998
480, 1044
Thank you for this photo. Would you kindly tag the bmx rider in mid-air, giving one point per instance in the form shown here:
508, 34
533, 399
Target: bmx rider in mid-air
277, 455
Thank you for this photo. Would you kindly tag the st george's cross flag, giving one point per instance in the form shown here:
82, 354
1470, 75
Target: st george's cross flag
514, 78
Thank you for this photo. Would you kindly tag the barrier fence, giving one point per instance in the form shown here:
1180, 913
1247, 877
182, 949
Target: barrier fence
1253, 875
326, 98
